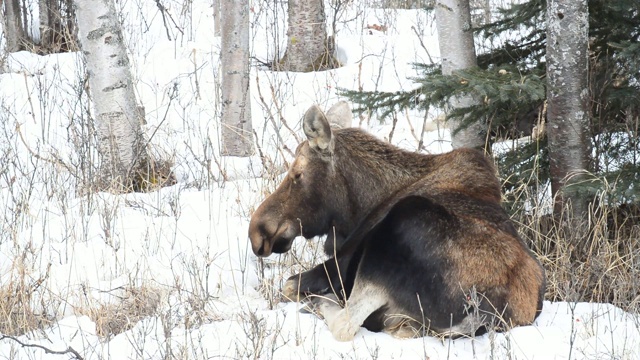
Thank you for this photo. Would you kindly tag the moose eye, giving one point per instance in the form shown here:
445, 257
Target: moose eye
296, 176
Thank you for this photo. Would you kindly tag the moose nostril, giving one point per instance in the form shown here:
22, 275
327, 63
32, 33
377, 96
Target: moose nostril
260, 237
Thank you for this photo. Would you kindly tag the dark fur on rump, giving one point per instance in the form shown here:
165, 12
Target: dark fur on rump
421, 235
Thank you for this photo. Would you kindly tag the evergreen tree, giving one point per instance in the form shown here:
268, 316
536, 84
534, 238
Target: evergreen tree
511, 81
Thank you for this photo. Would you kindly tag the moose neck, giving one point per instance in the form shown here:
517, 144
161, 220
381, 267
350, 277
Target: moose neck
373, 170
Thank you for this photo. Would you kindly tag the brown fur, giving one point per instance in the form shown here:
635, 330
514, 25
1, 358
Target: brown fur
360, 191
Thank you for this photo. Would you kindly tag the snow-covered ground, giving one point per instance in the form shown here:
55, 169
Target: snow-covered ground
170, 274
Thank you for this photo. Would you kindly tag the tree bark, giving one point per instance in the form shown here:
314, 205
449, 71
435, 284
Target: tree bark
45, 22
13, 27
217, 19
568, 96
51, 29
237, 133
117, 118
54, 37
457, 51
308, 47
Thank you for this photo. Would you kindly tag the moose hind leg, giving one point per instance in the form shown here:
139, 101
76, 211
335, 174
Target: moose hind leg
345, 322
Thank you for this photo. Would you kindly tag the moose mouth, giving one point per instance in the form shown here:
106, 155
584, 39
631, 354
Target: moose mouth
279, 243
281, 246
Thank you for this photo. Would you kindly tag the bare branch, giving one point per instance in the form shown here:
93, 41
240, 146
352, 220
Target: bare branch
68, 351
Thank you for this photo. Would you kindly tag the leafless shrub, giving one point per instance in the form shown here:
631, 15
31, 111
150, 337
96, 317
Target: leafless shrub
261, 337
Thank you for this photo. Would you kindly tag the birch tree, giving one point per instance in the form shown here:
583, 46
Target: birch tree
308, 46
237, 133
457, 52
117, 119
567, 97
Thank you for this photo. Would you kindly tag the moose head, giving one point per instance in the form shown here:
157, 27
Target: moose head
313, 196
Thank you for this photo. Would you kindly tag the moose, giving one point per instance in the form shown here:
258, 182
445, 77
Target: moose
416, 243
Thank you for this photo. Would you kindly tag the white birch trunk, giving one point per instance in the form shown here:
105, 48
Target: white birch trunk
237, 133
457, 52
306, 36
117, 121
567, 97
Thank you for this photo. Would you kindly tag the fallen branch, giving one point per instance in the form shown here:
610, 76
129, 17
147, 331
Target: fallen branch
69, 351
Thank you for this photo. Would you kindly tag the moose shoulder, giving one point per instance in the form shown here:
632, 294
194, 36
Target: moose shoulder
417, 242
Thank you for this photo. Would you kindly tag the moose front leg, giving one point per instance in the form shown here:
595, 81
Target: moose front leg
325, 278
344, 322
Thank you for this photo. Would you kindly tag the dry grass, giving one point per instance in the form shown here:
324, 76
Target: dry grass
273, 272
130, 305
598, 264
22, 306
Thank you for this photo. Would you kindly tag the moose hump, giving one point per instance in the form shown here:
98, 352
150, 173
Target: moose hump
418, 243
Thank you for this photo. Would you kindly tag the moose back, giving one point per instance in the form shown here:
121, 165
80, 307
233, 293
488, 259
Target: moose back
417, 243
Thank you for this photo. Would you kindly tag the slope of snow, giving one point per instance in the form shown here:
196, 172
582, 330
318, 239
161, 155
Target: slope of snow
184, 249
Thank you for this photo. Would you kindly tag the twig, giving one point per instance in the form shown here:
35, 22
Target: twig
268, 65
195, 74
263, 158
284, 122
204, 163
272, 120
56, 160
173, 93
223, 172
424, 126
360, 88
393, 126
163, 11
69, 350
422, 43
413, 132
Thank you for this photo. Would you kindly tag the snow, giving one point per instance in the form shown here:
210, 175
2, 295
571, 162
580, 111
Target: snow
182, 252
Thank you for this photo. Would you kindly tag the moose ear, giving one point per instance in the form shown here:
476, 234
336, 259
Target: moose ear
339, 115
317, 128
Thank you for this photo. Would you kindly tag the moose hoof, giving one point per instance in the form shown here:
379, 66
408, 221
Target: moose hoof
326, 306
342, 328
290, 291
